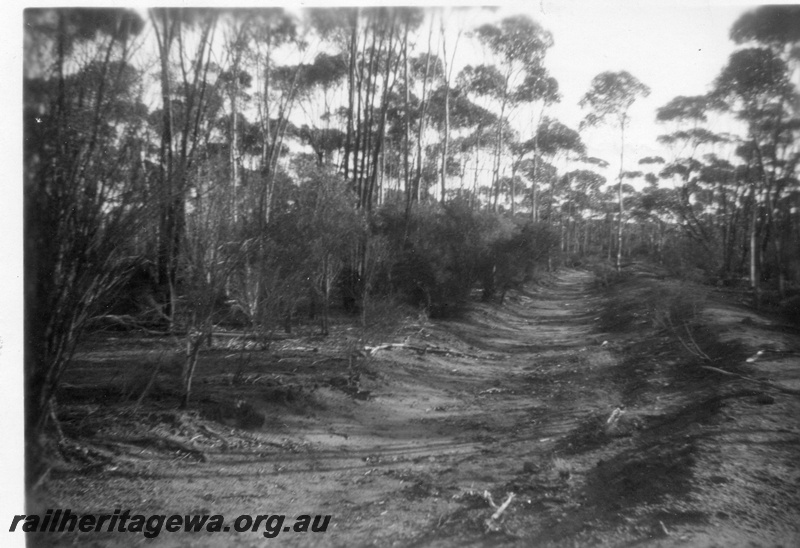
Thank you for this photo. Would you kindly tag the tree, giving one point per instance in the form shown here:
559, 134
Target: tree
584, 184
236, 81
275, 96
447, 77
481, 121
778, 28
774, 26
209, 255
427, 67
182, 111
520, 45
553, 139
755, 84
325, 225
488, 82
610, 98
694, 142
537, 87
83, 123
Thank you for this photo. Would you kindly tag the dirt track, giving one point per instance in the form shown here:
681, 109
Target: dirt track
519, 406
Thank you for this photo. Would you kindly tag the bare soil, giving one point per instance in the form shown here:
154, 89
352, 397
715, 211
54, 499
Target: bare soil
406, 447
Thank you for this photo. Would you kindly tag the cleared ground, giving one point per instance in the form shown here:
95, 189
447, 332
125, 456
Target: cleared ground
405, 447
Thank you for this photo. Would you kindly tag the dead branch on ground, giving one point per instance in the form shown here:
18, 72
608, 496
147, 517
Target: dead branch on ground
751, 379
492, 523
372, 350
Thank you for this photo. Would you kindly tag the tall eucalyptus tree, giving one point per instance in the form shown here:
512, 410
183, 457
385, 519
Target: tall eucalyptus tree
553, 140
537, 89
447, 77
765, 90
520, 45
610, 98
756, 86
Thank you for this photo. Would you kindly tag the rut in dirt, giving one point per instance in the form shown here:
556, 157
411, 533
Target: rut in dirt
493, 420
520, 383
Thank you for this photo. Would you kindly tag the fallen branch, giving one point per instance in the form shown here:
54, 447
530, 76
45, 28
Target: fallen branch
372, 350
503, 507
168, 444
760, 353
750, 379
128, 322
299, 349
492, 523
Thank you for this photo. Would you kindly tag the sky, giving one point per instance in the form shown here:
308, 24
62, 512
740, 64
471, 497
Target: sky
677, 47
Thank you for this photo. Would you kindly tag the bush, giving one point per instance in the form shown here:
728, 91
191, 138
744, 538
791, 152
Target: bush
689, 260
514, 256
442, 251
440, 258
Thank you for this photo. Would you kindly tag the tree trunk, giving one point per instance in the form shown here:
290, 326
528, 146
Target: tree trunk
166, 251
351, 98
406, 123
513, 190
234, 139
326, 296
423, 112
383, 115
446, 139
619, 196
498, 149
755, 275
586, 226
193, 345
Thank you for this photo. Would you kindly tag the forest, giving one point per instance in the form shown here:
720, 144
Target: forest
196, 172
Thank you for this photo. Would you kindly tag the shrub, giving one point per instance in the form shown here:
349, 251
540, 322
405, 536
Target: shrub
689, 260
514, 255
441, 257
440, 252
